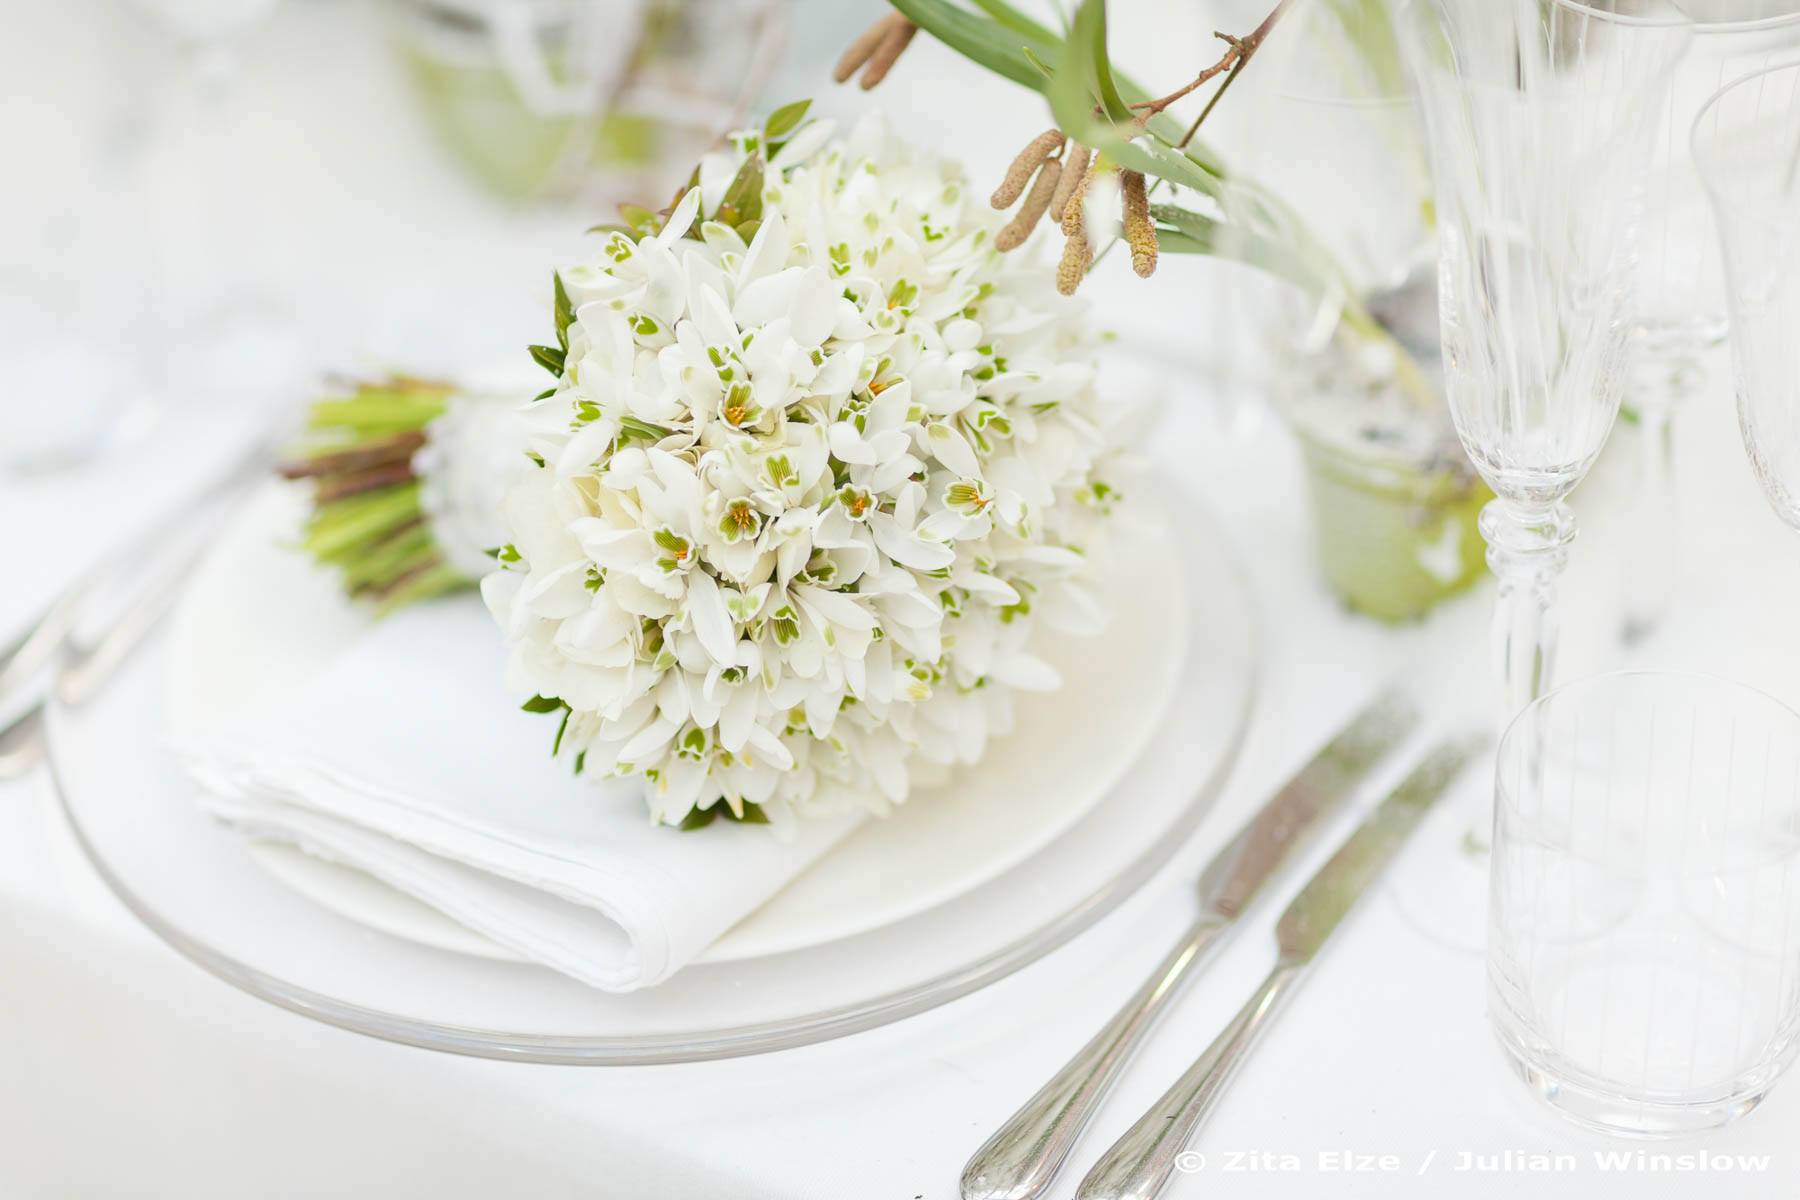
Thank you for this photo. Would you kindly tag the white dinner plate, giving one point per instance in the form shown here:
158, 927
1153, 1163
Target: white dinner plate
260, 617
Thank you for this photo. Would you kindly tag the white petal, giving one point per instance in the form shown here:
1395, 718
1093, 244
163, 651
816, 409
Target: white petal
736, 718
804, 144
953, 450
848, 445
946, 524
1028, 673
839, 608
768, 250
908, 549
912, 609
649, 740
769, 749
586, 448
682, 219
711, 622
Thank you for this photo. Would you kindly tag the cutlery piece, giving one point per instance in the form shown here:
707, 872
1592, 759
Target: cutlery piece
151, 581
26, 657
1139, 1164
87, 664
1024, 1154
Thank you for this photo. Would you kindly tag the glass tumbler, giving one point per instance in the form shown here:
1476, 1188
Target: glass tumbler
1644, 919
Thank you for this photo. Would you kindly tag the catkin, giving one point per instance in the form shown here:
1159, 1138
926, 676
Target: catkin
878, 46
1019, 173
1077, 254
1073, 218
1037, 201
888, 52
1074, 170
858, 52
1140, 230
1075, 259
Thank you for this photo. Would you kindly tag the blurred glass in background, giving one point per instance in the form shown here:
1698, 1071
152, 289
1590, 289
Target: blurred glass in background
221, 200
72, 344
601, 99
1351, 355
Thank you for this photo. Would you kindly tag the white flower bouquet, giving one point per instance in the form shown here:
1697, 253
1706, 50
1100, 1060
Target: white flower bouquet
818, 463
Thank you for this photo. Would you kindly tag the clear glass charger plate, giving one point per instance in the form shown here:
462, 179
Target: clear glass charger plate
197, 886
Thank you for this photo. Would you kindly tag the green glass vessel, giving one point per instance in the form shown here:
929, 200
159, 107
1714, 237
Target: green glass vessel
1394, 499
1395, 535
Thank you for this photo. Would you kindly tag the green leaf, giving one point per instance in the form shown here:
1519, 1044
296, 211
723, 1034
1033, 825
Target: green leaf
785, 120
542, 704
632, 427
698, 818
641, 220
1005, 14
565, 313
1182, 231
743, 198
548, 357
544, 395
986, 42
1086, 58
561, 728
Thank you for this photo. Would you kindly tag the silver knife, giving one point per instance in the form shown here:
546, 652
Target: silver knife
1139, 1164
1022, 1157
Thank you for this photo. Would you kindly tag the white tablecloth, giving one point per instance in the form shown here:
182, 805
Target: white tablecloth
129, 1072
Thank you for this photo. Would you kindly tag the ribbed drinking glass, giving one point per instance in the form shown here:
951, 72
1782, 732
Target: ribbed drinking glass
1644, 918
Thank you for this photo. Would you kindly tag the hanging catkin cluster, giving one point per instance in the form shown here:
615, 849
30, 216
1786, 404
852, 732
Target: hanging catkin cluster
1051, 174
1055, 176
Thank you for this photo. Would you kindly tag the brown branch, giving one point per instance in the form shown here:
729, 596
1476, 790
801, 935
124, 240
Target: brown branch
397, 448
1237, 53
355, 483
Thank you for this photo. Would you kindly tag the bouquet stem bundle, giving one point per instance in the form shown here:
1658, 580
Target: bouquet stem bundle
367, 521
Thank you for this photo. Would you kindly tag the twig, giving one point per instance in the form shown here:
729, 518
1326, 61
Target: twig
1237, 53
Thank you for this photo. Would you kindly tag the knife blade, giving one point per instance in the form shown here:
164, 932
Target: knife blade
1139, 1164
1023, 1156
1238, 872
1317, 909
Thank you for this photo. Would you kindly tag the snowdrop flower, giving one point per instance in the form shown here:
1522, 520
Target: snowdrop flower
821, 463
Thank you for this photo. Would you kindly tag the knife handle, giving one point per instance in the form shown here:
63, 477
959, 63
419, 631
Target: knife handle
1020, 1159
1139, 1164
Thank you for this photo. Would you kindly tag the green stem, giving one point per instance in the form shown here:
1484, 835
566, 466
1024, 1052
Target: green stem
342, 524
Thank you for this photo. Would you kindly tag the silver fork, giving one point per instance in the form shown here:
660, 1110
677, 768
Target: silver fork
1023, 1156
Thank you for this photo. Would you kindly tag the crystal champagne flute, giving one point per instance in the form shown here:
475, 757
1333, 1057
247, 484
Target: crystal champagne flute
1541, 119
1747, 147
1679, 308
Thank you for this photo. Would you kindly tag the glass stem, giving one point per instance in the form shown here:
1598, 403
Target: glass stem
1654, 558
1527, 549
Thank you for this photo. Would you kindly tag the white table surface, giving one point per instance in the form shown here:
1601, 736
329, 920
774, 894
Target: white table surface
129, 1072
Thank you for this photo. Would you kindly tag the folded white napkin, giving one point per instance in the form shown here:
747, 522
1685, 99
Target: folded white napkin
407, 758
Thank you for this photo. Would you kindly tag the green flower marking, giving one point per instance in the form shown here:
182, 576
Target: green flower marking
741, 522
